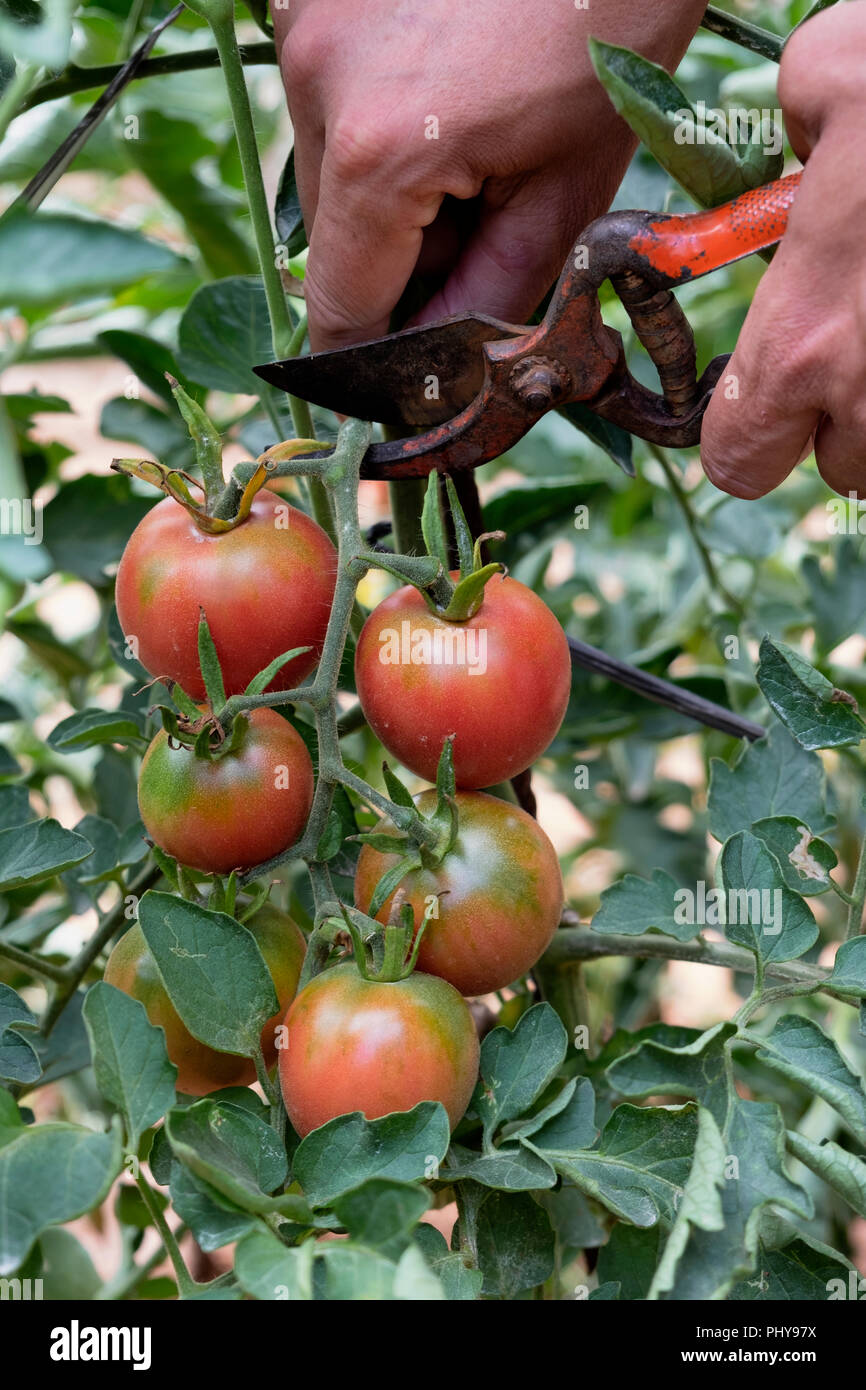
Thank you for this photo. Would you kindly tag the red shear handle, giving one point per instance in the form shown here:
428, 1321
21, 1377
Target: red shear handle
682, 247
662, 251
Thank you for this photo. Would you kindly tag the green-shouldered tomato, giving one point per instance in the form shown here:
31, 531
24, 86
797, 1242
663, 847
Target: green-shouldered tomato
200, 1069
501, 894
356, 1044
499, 682
232, 812
266, 586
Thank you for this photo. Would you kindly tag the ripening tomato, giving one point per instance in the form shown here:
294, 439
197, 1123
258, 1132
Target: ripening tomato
235, 811
356, 1044
265, 586
499, 682
501, 894
200, 1069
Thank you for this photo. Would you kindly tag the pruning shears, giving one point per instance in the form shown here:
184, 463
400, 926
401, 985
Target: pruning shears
474, 385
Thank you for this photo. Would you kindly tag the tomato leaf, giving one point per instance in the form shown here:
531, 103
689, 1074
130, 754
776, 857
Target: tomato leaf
43, 849
517, 1064
94, 726
130, 1061
232, 1149
801, 1050
757, 910
405, 1146
817, 713
213, 970
51, 1174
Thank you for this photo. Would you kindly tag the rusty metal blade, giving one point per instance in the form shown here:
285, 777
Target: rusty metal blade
416, 378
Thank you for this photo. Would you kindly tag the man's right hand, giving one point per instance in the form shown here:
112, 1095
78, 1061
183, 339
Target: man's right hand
397, 104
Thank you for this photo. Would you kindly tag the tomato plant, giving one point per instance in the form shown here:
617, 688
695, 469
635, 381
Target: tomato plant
266, 587
499, 682
499, 894
234, 810
201, 1069
356, 1044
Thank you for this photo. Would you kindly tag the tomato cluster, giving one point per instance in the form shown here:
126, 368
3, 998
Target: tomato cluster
494, 684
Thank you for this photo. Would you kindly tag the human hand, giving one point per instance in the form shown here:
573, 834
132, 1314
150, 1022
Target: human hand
399, 106
800, 361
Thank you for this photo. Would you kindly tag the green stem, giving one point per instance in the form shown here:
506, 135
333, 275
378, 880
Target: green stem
763, 998
406, 497
186, 1285
37, 965
223, 30
12, 100
340, 473
580, 943
78, 967
77, 79
858, 896
12, 480
287, 341
130, 28
747, 35
684, 503
127, 1280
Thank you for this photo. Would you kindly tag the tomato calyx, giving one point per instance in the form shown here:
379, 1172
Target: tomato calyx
460, 601
388, 954
415, 854
217, 496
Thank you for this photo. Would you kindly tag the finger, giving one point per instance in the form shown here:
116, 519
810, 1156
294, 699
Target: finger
756, 428
364, 244
840, 451
773, 393
509, 261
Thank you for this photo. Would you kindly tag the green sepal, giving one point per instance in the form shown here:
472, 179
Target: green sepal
384, 844
462, 533
210, 667
397, 792
167, 866
170, 723
205, 437
432, 524
231, 893
259, 683
446, 784
468, 595
185, 703
391, 878
393, 952
418, 570
259, 894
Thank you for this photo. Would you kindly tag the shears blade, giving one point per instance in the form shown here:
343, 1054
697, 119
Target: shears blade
415, 378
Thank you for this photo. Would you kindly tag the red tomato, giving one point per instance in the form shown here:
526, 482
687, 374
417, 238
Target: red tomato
499, 682
355, 1044
235, 811
501, 895
265, 587
200, 1069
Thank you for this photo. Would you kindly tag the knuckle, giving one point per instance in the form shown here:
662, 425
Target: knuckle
357, 146
304, 55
